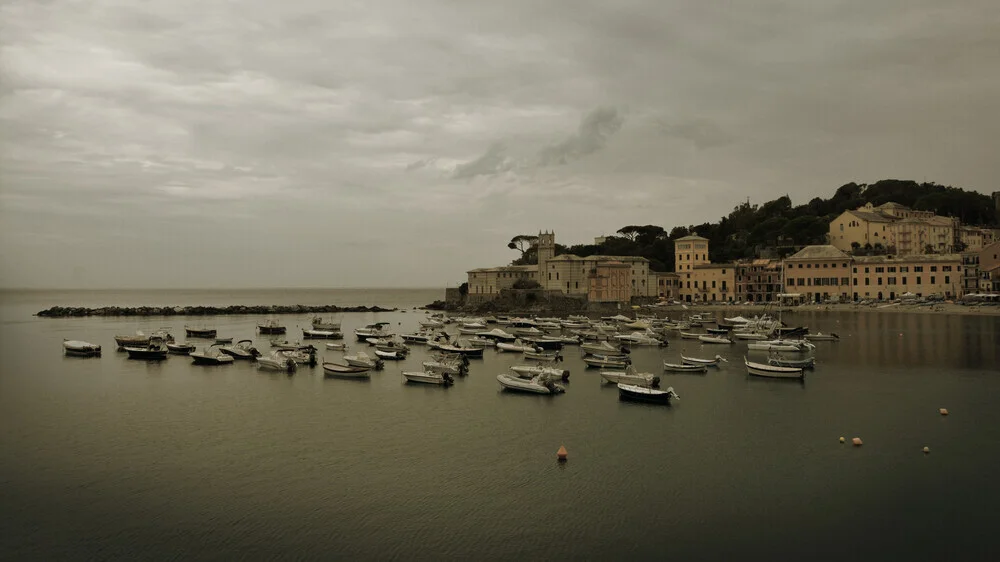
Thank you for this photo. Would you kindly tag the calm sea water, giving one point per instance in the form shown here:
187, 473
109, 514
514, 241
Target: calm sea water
116, 459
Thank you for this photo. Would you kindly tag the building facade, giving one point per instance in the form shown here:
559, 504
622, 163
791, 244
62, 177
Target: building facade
888, 277
901, 230
758, 280
698, 279
485, 283
818, 273
610, 281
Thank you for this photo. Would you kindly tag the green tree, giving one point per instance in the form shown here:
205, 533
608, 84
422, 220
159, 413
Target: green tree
522, 243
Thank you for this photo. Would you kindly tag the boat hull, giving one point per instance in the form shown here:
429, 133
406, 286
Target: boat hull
271, 329
81, 349
773, 372
428, 378
203, 334
146, 354
515, 384
684, 368
635, 393
345, 371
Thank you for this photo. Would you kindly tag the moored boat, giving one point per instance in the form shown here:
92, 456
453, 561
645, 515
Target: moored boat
714, 339
375, 330
210, 356
537, 385
773, 371
242, 349
604, 348
155, 351
271, 326
820, 336
337, 346
139, 339
684, 368
396, 355
427, 377
318, 323
315, 334
646, 394
529, 371
630, 376
345, 371
777, 360
202, 333
276, 361
362, 359
707, 362
181, 348
543, 356
77, 348
606, 362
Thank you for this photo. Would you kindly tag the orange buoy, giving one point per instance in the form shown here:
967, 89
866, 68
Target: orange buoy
561, 453
857, 441
944, 411
927, 450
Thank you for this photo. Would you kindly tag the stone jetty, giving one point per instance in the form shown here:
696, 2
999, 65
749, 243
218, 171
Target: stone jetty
72, 311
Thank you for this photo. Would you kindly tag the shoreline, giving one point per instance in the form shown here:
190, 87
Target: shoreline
936, 308
232, 310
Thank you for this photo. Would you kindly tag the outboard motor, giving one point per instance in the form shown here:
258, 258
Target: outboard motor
379, 364
656, 380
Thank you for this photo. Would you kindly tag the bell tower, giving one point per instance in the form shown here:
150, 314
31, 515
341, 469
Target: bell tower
546, 250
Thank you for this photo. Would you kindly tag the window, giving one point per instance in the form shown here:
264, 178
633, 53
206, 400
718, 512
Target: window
947, 279
841, 227
879, 270
557, 276
946, 268
918, 280
933, 268
855, 270
866, 270
577, 285
824, 266
878, 281
918, 269
932, 280
891, 281
892, 270
904, 269
809, 266
800, 265
904, 280
845, 281
868, 281
713, 283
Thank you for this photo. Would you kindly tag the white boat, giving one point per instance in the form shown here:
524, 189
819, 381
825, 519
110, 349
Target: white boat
690, 335
773, 371
305, 356
569, 340
605, 362
321, 334
646, 394
181, 348
481, 342
210, 356
321, 324
276, 361
639, 338
714, 339
419, 337
426, 377
155, 351
571, 325
345, 371
437, 366
750, 336
820, 336
362, 359
281, 345
242, 349
707, 362
516, 346
498, 335
77, 348
529, 371
537, 385
341, 346
391, 355
543, 355
603, 348
471, 328
137, 340
684, 368
271, 326
778, 361
376, 330
630, 376
781, 345
431, 323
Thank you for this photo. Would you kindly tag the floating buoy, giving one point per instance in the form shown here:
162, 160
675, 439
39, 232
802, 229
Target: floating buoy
927, 450
944, 411
842, 439
857, 441
561, 453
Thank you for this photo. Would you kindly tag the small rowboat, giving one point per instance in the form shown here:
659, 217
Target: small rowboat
393, 355
181, 348
346, 371
707, 362
646, 394
77, 348
779, 361
714, 339
772, 371
683, 368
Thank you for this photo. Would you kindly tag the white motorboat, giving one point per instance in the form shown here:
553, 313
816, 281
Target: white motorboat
569, 340
639, 338
684, 368
529, 371
757, 336
242, 349
397, 355
293, 345
707, 362
778, 345
419, 337
300, 356
714, 339
646, 394
77, 348
820, 336
210, 356
388, 344
321, 334
471, 328
455, 365
498, 335
778, 361
154, 351
537, 385
630, 376
319, 323
341, 346
362, 359
427, 377
517, 346
573, 325
431, 323
542, 355
276, 361
271, 326
773, 371
477, 341
180, 348
605, 362
376, 330
603, 348
690, 335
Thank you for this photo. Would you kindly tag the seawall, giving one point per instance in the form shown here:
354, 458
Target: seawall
66, 312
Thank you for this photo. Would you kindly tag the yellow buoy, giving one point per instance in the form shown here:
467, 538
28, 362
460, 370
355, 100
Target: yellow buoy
944, 411
927, 450
842, 439
857, 441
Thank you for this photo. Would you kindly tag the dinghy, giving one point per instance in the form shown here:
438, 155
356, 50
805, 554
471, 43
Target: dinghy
529, 371
427, 377
76, 348
646, 394
202, 333
211, 356
155, 351
684, 368
631, 376
820, 336
707, 362
772, 371
714, 339
181, 348
345, 371
538, 385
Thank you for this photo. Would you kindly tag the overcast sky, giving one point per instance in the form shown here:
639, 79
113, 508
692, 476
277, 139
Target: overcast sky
312, 143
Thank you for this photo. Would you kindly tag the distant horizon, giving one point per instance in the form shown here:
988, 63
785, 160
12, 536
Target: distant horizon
108, 289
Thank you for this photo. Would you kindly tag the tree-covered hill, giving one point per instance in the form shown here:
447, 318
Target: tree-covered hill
778, 224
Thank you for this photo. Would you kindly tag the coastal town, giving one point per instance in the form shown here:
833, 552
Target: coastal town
872, 253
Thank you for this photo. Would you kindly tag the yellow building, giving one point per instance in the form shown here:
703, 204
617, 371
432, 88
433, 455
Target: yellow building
690, 251
888, 277
571, 274
818, 273
667, 285
698, 279
916, 235
610, 281
975, 239
864, 225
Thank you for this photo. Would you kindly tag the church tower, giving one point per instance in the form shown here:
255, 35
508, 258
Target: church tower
546, 249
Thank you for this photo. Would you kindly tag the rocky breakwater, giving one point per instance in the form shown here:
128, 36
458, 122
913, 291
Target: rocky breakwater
72, 311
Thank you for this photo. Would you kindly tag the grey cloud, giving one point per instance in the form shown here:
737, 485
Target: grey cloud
493, 161
595, 131
702, 133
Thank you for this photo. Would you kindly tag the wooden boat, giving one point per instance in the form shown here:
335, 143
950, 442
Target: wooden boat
820, 336
684, 368
242, 349
181, 348
646, 394
537, 385
321, 334
780, 345
271, 326
345, 371
773, 371
778, 361
421, 337
319, 323
138, 340
707, 362
714, 339
717, 331
77, 348
203, 333
397, 355
211, 356
631, 376
155, 351
529, 371
605, 362
543, 356
425, 377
